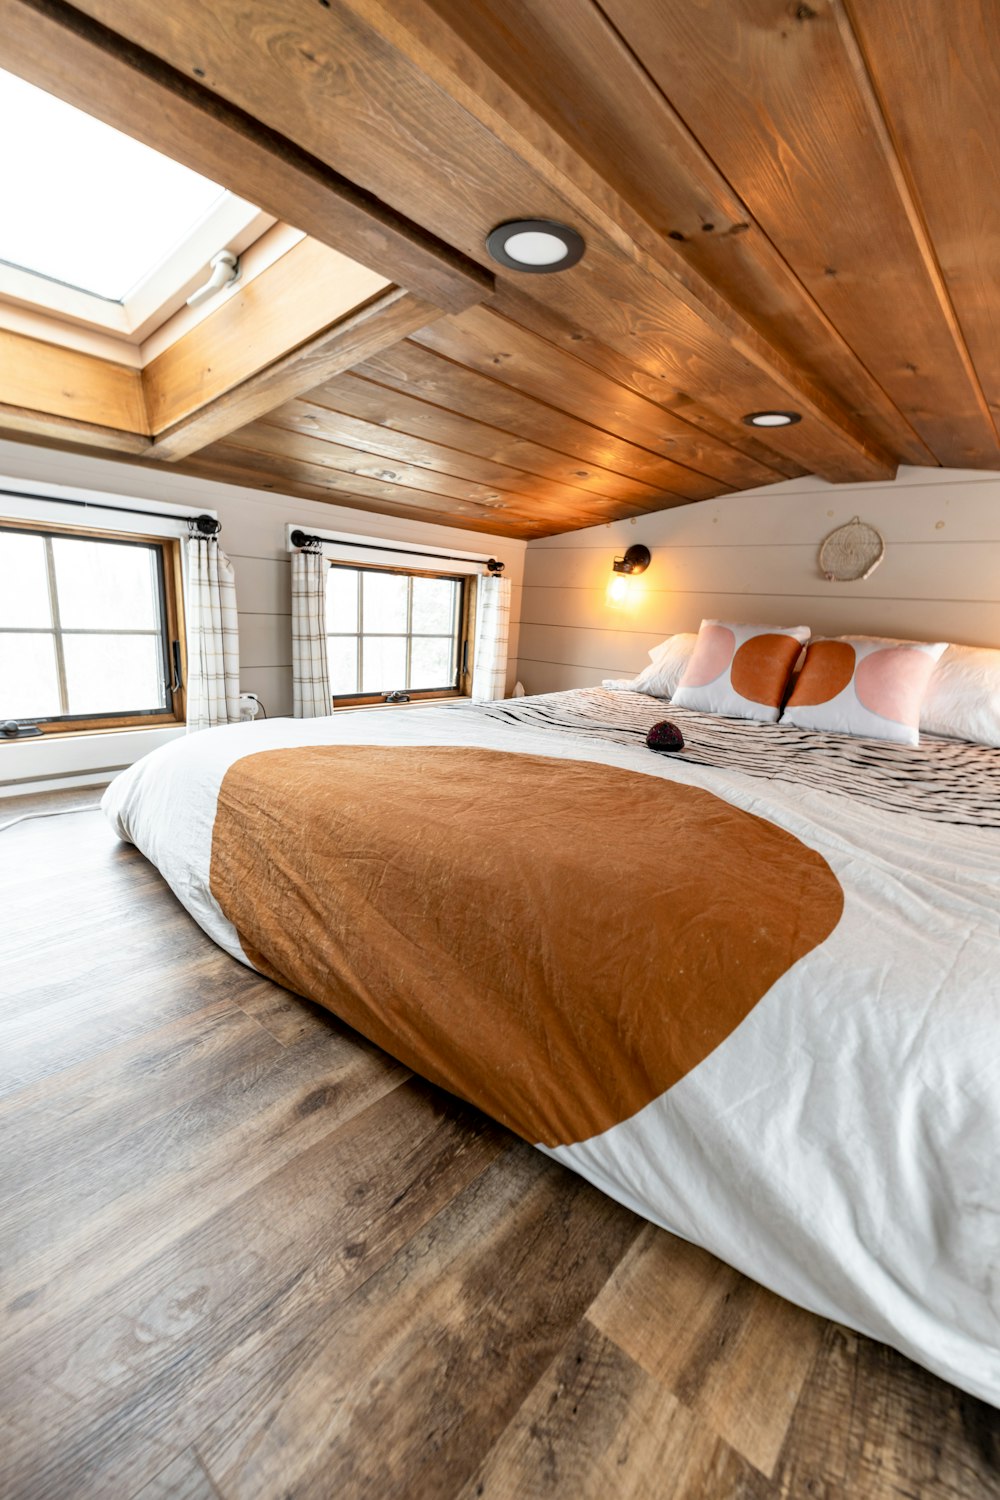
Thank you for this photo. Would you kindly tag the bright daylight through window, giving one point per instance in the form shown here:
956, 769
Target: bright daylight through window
390, 631
83, 204
83, 628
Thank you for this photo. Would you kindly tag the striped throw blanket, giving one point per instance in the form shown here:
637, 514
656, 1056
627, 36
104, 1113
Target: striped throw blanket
946, 781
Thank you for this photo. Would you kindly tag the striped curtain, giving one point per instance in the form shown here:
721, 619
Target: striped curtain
310, 675
489, 672
213, 645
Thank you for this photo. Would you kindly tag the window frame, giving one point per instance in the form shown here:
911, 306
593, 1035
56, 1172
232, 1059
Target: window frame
463, 641
170, 585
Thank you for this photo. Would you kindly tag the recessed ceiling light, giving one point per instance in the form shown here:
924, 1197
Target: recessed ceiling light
772, 418
535, 245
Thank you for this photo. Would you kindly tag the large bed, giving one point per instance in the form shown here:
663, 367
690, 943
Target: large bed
751, 990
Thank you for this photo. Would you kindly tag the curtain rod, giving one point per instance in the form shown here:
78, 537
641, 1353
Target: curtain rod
207, 525
303, 539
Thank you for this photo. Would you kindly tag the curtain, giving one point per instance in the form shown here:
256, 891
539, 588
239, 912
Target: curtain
213, 649
310, 675
489, 672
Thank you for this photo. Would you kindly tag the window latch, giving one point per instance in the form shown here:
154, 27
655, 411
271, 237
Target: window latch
12, 730
175, 651
396, 696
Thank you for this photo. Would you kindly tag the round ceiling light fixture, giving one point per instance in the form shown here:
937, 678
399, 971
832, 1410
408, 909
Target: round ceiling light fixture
538, 246
772, 418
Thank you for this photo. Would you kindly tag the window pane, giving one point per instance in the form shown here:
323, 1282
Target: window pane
342, 660
24, 589
384, 597
104, 586
109, 672
434, 605
29, 683
384, 662
341, 600
432, 663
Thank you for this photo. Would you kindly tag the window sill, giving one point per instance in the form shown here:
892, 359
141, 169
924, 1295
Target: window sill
363, 708
50, 736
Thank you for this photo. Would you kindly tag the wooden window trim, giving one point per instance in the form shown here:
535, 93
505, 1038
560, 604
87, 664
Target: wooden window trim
173, 594
466, 643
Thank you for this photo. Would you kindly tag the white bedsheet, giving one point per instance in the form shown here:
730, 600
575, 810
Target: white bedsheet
842, 1146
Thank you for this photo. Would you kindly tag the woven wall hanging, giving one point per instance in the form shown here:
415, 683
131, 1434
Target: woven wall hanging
851, 552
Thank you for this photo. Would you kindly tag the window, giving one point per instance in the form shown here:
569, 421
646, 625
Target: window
98, 228
87, 630
392, 631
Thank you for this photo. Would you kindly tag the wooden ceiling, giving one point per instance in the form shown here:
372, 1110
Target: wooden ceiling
784, 205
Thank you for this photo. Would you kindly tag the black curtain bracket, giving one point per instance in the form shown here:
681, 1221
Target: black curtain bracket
206, 526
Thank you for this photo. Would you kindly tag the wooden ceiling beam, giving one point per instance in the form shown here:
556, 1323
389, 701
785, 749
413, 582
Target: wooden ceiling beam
393, 98
24, 423
303, 294
379, 325
47, 391
75, 57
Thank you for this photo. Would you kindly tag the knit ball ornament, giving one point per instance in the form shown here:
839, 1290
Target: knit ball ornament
665, 736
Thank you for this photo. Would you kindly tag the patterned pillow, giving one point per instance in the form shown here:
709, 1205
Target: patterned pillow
741, 670
864, 685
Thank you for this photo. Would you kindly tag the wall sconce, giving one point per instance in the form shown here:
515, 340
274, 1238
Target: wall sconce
636, 560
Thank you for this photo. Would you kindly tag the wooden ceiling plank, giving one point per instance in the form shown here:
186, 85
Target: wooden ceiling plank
65, 383
791, 129
315, 422
700, 422
413, 370
381, 323
661, 169
90, 66
681, 327
508, 353
247, 453
314, 448
353, 83
393, 410
207, 465
936, 73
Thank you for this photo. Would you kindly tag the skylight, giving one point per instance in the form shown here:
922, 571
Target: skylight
83, 204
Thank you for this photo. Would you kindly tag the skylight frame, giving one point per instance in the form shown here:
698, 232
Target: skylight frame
230, 224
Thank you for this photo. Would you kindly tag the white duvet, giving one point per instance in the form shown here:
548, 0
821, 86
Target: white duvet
842, 1146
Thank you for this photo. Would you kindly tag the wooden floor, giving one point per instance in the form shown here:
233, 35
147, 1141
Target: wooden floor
247, 1256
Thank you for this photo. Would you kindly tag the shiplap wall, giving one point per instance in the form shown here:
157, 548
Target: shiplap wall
253, 536
753, 557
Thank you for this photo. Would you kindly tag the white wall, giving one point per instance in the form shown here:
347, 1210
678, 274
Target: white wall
253, 535
753, 556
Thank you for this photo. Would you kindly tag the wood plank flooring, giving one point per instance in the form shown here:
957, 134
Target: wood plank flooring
246, 1256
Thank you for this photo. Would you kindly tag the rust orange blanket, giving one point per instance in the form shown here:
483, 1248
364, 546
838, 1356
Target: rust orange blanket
556, 941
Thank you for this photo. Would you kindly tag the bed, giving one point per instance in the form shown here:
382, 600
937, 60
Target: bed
752, 990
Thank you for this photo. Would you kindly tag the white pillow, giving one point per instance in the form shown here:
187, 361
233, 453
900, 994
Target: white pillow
963, 696
668, 663
741, 670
